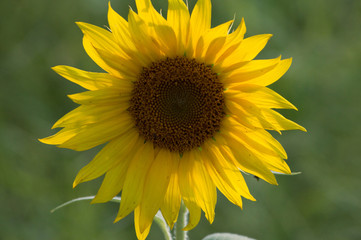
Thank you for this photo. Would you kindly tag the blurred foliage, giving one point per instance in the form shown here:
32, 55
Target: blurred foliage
322, 36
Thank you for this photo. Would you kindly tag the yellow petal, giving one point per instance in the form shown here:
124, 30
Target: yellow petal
273, 75
258, 138
95, 134
279, 122
146, 46
134, 182
140, 235
225, 70
147, 12
102, 47
250, 47
200, 19
120, 30
115, 152
172, 199
276, 164
248, 114
101, 38
260, 117
237, 110
103, 96
167, 40
114, 180
144, 7
88, 136
251, 70
192, 170
242, 88
125, 67
60, 137
237, 35
178, 18
219, 31
226, 176
194, 215
264, 98
245, 159
155, 187
211, 43
199, 49
88, 114
95, 56
88, 80
233, 41
112, 62
158, 28
214, 47
261, 149
247, 50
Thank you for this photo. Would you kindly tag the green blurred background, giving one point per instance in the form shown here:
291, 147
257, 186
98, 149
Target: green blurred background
323, 37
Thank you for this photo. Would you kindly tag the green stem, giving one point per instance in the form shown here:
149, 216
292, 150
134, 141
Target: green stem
163, 226
181, 223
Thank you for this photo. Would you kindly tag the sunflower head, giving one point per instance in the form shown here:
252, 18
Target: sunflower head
177, 104
183, 109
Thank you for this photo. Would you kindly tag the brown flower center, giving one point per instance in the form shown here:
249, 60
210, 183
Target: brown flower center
177, 103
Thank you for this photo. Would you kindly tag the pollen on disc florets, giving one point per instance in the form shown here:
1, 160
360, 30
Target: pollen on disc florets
177, 103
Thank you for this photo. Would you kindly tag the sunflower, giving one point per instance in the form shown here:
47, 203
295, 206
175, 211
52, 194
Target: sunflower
182, 108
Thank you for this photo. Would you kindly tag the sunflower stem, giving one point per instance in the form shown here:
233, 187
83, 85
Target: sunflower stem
181, 223
163, 226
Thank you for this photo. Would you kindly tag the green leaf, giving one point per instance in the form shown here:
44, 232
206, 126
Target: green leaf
292, 174
226, 236
158, 217
115, 199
